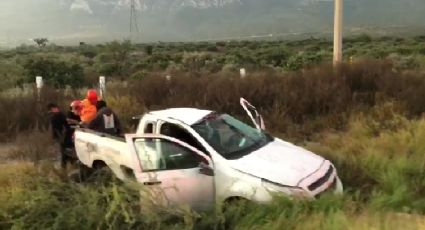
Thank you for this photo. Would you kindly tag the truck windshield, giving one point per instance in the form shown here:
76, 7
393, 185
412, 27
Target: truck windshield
230, 137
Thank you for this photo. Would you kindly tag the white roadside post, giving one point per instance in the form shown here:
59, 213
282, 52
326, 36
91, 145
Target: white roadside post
102, 86
242, 72
39, 85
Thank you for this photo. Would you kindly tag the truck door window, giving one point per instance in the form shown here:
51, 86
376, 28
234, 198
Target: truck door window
171, 157
172, 130
148, 128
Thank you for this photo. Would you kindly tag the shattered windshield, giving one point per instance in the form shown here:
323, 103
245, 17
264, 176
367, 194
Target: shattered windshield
230, 137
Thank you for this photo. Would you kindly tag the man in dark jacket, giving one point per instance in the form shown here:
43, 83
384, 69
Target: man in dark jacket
106, 121
61, 131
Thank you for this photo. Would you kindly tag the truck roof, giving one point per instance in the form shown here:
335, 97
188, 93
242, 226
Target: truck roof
188, 116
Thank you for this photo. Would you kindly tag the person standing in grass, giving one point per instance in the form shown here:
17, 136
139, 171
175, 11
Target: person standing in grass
61, 131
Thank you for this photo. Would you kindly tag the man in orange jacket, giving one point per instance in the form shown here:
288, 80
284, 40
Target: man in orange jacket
88, 112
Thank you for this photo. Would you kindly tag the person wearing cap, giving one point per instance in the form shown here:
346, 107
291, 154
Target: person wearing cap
73, 115
88, 111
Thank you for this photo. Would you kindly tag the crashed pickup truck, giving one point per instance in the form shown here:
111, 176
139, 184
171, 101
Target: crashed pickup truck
200, 158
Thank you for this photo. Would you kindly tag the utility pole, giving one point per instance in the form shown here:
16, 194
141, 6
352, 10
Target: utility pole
134, 27
338, 22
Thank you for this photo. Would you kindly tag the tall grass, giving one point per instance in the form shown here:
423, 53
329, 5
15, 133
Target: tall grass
296, 105
379, 159
49, 203
366, 118
25, 109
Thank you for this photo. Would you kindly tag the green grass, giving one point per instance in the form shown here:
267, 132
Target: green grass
366, 118
379, 158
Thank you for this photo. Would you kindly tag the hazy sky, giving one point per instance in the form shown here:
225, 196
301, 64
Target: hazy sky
71, 21
21, 20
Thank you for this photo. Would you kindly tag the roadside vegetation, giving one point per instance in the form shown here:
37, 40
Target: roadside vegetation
365, 116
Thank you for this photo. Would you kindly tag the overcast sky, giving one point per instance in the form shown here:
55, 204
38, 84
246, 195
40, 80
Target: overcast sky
21, 20
71, 21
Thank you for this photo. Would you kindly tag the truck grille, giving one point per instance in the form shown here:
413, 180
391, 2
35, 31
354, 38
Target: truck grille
321, 180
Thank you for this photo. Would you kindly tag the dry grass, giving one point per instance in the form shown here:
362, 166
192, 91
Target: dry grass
366, 118
296, 105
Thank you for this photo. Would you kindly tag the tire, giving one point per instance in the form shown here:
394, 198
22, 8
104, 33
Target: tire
101, 176
84, 172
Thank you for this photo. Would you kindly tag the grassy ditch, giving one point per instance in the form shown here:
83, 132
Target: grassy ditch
379, 158
367, 118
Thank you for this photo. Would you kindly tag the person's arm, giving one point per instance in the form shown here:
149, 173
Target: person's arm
67, 127
72, 121
94, 124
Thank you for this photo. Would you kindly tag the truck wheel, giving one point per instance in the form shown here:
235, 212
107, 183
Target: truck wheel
102, 176
84, 172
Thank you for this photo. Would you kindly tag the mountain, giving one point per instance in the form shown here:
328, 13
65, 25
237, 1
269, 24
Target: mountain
214, 19
191, 20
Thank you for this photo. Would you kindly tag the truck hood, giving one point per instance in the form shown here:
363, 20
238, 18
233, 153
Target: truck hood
280, 162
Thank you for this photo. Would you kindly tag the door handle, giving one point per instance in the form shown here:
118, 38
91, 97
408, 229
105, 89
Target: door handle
152, 182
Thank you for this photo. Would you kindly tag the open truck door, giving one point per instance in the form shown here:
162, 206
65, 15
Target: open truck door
172, 172
252, 112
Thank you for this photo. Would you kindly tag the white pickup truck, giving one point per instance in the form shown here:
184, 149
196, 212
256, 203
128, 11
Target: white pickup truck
200, 158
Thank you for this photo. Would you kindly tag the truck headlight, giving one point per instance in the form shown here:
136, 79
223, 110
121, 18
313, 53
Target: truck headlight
292, 191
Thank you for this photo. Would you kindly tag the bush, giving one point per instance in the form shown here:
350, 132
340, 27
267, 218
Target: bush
383, 163
24, 110
297, 104
55, 73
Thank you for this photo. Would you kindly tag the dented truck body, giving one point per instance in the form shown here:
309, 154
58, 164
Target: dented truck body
200, 158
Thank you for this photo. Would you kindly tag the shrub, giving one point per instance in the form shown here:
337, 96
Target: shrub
56, 73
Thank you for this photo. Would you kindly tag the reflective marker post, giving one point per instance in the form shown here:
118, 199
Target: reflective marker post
242, 72
39, 85
102, 86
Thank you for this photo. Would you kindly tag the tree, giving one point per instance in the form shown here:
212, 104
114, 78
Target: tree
88, 51
41, 42
149, 50
55, 73
119, 52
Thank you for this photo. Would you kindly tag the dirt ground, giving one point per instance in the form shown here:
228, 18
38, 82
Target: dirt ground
6, 151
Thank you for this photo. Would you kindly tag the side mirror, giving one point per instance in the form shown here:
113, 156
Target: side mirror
205, 169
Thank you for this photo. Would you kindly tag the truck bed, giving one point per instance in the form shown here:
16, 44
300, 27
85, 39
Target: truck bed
92, 146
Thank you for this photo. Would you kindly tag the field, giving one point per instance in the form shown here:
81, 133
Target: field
365, 116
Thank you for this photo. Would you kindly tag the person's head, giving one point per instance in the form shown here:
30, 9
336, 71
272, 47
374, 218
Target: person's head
92, 96
100, 104
52, 107
76, 107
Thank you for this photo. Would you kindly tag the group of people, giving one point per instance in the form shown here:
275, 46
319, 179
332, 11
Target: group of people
91, 113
